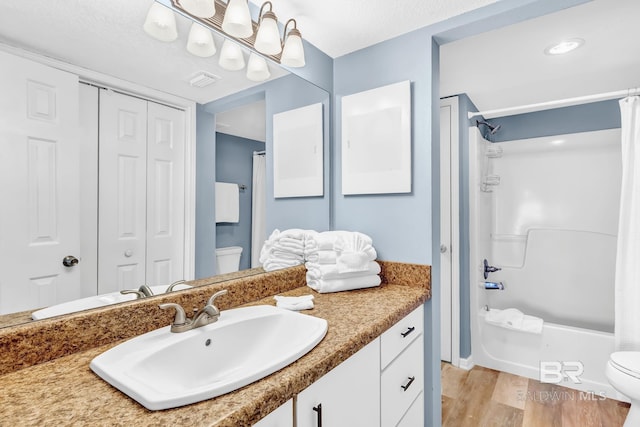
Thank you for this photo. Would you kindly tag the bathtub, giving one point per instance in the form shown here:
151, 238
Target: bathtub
545, 211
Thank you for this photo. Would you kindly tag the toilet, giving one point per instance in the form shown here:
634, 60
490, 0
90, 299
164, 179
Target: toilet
228, 259
623, 372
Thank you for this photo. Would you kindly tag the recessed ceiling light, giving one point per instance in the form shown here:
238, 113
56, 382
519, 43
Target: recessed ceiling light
565, 46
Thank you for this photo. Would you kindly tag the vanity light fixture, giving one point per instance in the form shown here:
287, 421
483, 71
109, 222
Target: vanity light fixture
231, 57
268, 35
257, 68
237, 19
200, 41
564, 46
293, 51
160, 23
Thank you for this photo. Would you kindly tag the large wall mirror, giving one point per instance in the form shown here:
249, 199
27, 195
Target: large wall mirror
114, 62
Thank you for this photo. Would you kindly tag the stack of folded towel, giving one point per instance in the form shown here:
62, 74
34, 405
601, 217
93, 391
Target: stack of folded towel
340, 261
283, 249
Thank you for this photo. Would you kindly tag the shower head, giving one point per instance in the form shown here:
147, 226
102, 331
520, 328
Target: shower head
492, 129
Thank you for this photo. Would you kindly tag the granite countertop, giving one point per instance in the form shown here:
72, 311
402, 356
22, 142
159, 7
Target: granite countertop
64, 391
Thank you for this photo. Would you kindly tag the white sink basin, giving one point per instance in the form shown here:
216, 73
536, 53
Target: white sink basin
162, 370
94, 302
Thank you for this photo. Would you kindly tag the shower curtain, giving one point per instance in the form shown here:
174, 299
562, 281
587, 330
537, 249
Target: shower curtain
627, 281
258, 209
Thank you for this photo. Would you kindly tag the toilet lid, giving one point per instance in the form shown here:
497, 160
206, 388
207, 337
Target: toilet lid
627, 362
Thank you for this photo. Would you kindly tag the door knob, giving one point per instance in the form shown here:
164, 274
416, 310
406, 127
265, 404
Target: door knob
69, 261
443, 249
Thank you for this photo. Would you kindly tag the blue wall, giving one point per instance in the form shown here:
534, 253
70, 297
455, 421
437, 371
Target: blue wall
234, 163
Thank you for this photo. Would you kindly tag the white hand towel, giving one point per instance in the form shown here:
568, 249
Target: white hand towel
337, 285
304, 302
331, 271
227, 202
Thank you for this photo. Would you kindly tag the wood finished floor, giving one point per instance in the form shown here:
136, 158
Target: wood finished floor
483, 397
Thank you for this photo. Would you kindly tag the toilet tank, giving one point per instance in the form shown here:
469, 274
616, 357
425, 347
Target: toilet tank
228, 259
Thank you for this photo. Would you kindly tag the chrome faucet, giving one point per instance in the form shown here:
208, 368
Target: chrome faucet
142, 292
209, 314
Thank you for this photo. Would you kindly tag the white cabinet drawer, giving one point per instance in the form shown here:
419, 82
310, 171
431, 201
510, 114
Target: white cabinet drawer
400, 335
401, 382
415, 415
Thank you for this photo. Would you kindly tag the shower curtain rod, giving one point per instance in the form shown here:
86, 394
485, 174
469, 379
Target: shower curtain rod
554, 104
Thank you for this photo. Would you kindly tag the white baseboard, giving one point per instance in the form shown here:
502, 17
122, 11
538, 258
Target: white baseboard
466, 364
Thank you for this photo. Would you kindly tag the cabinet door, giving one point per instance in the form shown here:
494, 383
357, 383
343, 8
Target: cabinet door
281, 417
348, 395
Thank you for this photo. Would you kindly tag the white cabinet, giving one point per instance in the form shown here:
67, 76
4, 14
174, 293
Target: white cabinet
402, 372
348, 395
281, 417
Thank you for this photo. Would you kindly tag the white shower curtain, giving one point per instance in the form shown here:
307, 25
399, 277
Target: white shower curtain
627, 282
258, 207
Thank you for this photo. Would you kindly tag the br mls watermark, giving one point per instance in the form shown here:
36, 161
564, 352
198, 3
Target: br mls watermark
555, 372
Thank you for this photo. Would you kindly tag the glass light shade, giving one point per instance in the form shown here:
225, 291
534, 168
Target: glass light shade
293, 51
237, 19
268, 35
200, 42
199, 8
231, 57
257, 68
161, 23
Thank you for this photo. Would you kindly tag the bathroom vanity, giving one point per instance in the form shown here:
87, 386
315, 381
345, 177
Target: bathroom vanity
365, 332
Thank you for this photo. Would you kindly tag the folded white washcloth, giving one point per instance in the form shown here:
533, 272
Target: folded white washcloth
352, 241
331, 271
337, 285
321, 257
304, 302
512, 318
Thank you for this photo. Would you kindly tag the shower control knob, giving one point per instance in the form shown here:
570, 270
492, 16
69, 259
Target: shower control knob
489, 269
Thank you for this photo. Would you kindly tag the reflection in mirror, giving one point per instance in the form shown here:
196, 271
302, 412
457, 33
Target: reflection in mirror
54, 47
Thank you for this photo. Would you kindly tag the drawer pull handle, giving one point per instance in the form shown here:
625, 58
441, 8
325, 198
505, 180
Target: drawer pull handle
318, 410
408, 331
407, 385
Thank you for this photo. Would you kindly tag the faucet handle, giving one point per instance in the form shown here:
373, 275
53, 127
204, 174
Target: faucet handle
181, 317
139, 294
216, 295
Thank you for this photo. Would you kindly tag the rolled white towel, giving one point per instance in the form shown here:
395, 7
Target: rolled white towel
331, 271
337, 285
304, 302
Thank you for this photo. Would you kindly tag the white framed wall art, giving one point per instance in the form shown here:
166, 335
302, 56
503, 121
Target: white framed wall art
376, 140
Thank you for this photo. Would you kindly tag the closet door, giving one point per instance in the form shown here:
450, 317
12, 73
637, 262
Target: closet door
165, 194
39, 188
122, 192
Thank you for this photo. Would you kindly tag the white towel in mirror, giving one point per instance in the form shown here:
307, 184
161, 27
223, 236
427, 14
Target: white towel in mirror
227, 202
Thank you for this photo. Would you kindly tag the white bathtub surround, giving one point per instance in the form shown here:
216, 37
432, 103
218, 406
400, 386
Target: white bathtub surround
551, 225
304, 302
227, 202
627, 279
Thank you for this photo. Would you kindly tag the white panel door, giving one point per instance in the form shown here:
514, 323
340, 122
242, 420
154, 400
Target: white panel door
122, 192
39, 186
165, 194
